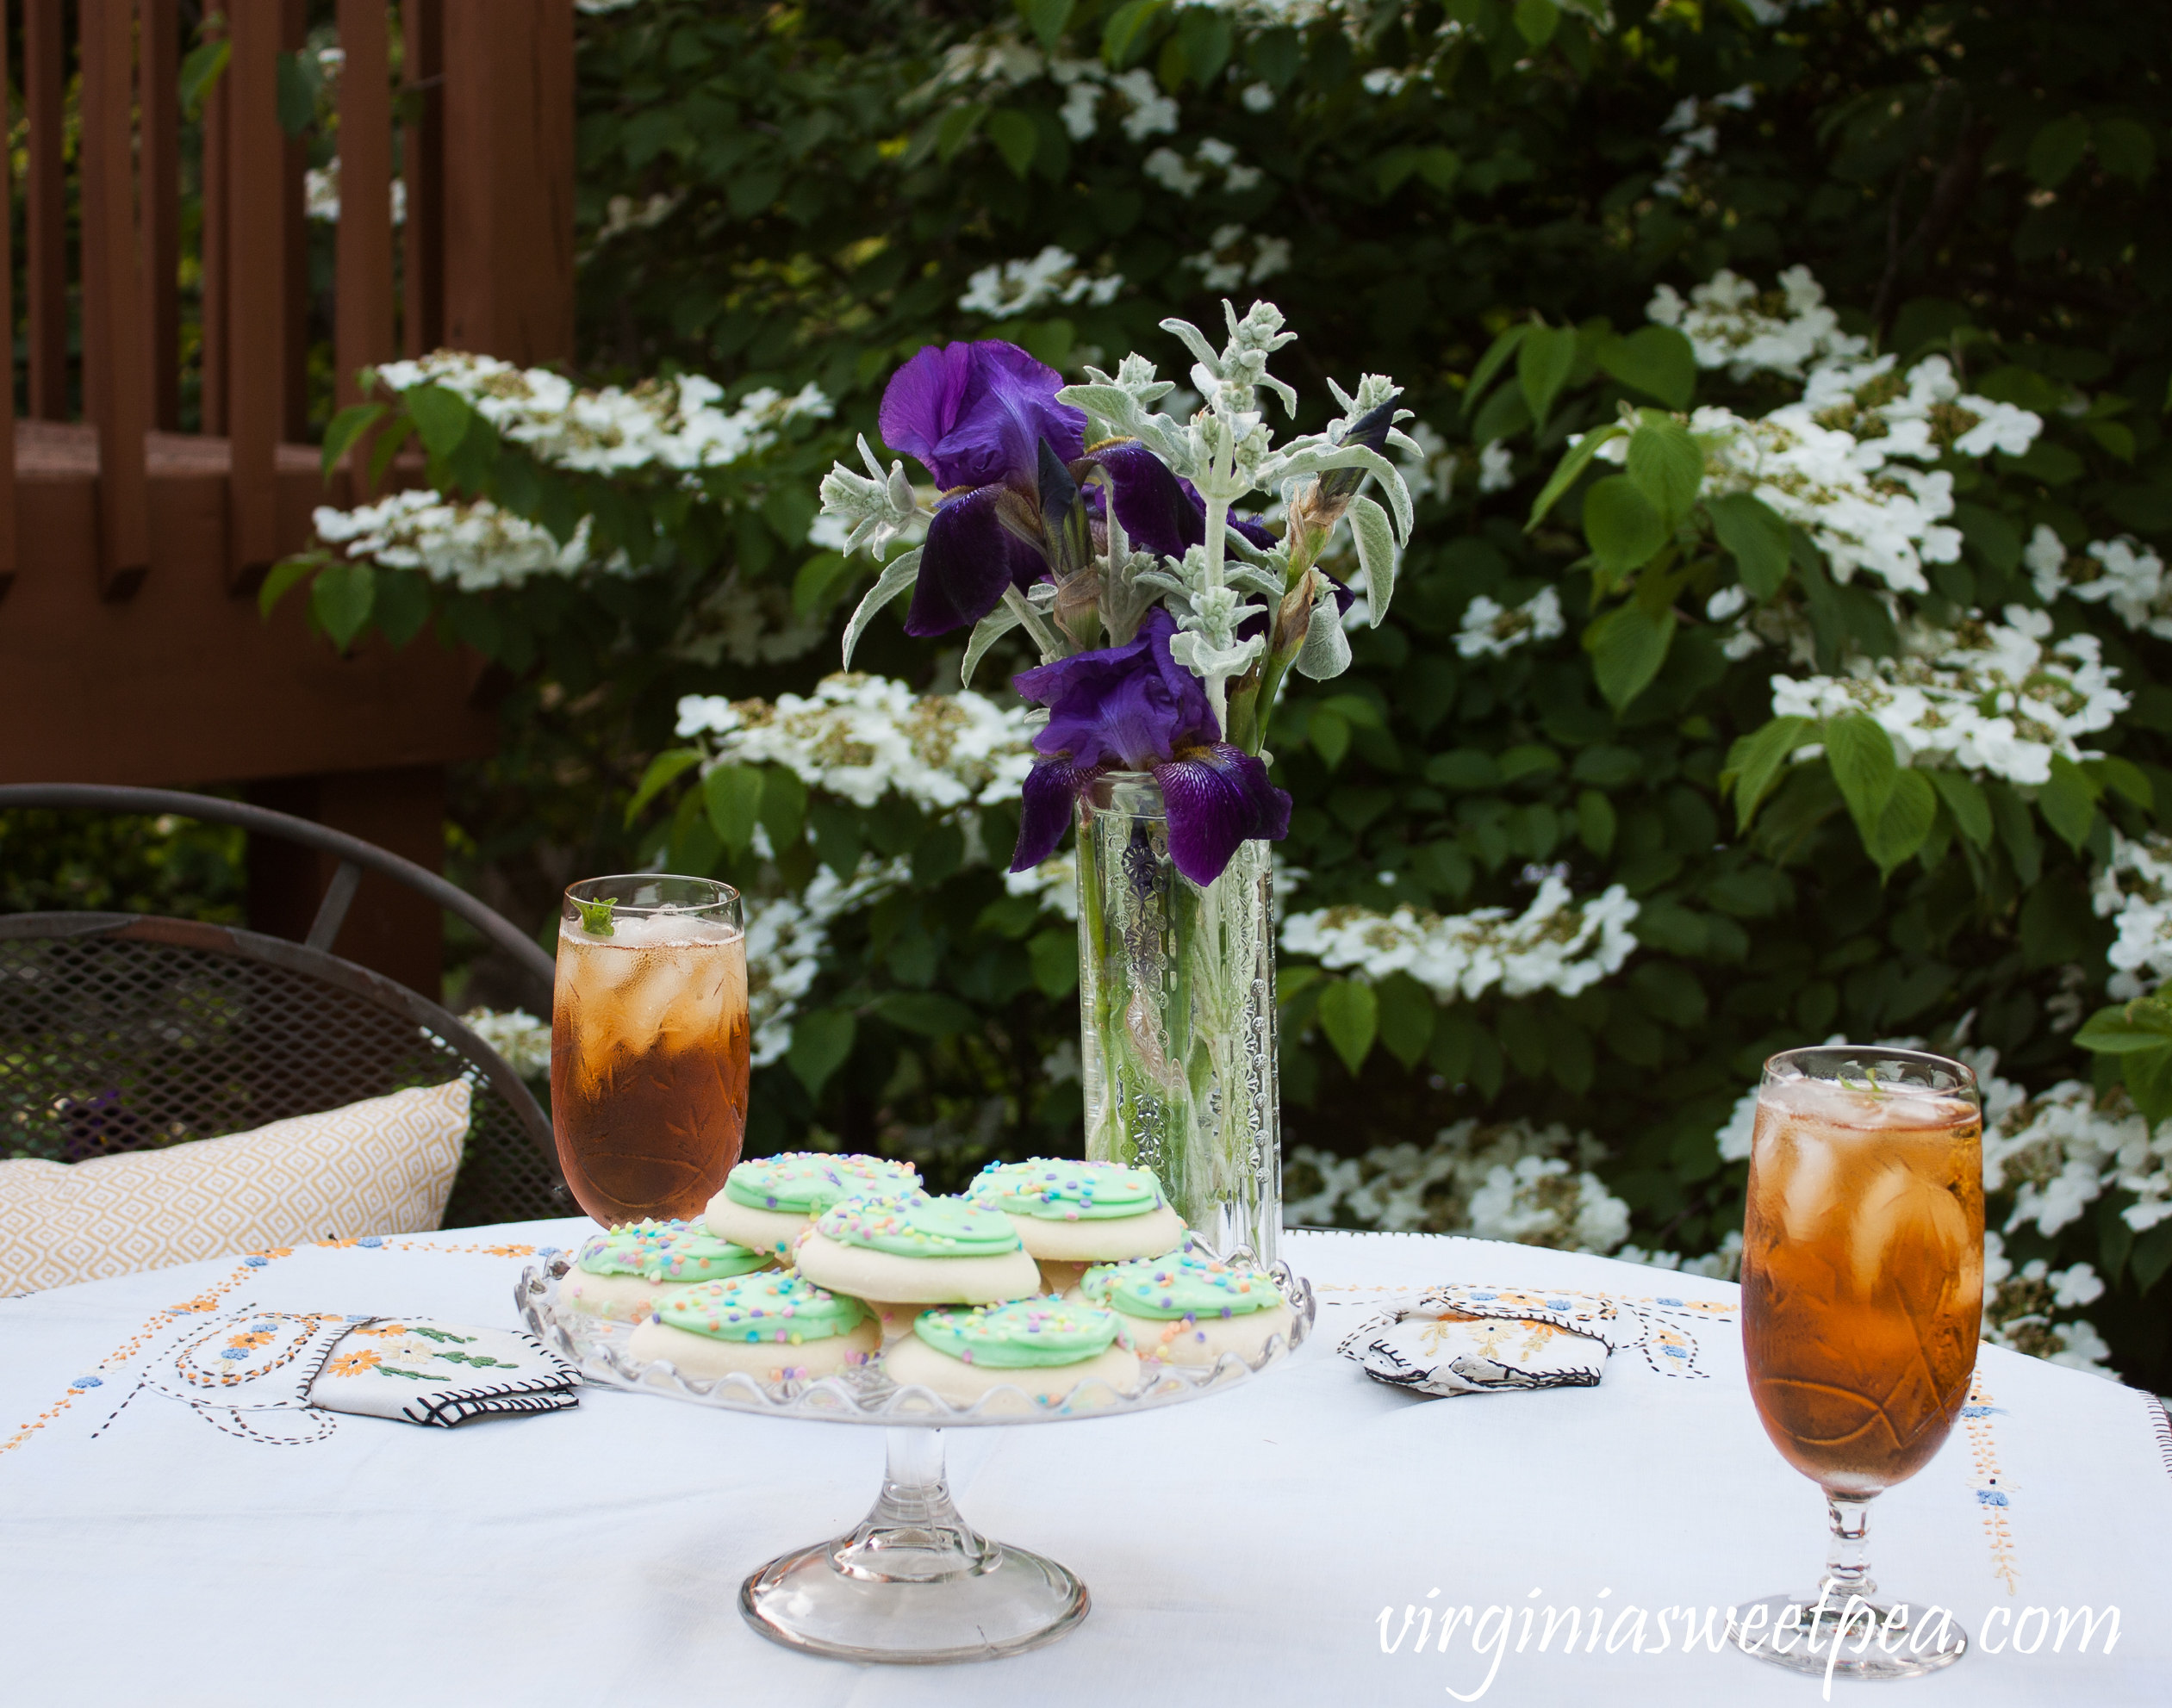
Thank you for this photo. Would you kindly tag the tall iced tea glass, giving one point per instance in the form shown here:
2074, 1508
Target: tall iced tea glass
1862, 1293
649, 1044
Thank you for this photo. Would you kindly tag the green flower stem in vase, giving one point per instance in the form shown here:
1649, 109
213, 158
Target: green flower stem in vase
1176, 1008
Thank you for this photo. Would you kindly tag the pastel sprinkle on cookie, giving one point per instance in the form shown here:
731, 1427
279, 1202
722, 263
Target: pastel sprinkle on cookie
1178, 1287
1053, 1189
774, 1306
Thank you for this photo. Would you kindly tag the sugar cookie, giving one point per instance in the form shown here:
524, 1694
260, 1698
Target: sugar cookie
622, 1275
767, 1201
1186, 1309
917, 1250
773, 1325
1044, 1347
1070, 1214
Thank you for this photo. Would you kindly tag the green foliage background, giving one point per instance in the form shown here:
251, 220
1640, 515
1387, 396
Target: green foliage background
1973, 176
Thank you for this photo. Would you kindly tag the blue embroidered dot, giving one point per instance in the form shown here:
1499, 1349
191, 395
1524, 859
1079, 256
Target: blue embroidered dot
1677, 1304
1557, 1304
371, 1240
256, 1262
1486, 1295
1982, 1411
1991, 1497
363, 1317
88, 1382
234, 1352
547, 1250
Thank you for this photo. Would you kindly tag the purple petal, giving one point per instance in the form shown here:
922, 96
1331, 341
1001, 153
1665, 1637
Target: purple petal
975, 413
1216, 798
970, 557
1131, 705
1046, 801
1160, 511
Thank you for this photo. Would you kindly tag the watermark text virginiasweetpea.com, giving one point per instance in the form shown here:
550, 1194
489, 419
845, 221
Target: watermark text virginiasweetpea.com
1490, 1634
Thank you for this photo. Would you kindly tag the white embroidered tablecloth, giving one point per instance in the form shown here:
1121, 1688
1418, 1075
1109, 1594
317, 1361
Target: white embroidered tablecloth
1242, 1549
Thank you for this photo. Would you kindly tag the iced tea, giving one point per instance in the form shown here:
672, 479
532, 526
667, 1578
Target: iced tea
649, 1046
1861, 1270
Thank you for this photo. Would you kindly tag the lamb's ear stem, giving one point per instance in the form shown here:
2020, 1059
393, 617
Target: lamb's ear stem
1052, 648
897, 576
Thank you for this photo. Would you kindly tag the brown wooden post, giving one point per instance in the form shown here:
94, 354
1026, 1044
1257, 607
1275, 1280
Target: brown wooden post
213, 256
294, 238
422, 315
44, 50
115, 374
362, 334
255, 287
159, 48
508, 173
7, 320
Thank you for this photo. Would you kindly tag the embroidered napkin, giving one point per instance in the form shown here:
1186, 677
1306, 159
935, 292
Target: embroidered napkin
1474, 1339
425, 1371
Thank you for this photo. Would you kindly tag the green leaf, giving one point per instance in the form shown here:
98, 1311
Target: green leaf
1015, 137
2148, 1074
299, 79
784, 805
1407, 1012
897, 576
1128, 34
1666, 465
1536, 20
2017, 831
2127, 1029
1623, 528
1657, 361
1627, 646
201, 72
813, 581
348, 425
2111, 772
1573, 463
1756, 536
820, 1042
1054, 958
1542, 365
1594, 822
663, 771
2057, 150
1329, 736
1861, 755
282, 577
1375, 539
596, 917
2125, 150
1909, 812
1496, 356
1048, 19
340, 600
2068, 802
1754, 762
389, 446
926, 1013
441, 416
1965, 801
733, 796
956, 128
402, 605
1350, 1014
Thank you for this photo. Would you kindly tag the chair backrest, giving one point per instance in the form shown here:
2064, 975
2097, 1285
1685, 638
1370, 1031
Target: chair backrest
123, 1031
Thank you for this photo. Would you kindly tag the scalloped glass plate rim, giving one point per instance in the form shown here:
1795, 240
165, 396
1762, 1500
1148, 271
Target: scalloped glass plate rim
867, 1397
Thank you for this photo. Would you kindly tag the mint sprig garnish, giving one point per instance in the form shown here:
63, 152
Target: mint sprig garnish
596, 917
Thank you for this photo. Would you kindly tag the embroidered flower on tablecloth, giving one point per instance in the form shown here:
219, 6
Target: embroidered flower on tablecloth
253, 1337
509, 1250
354, 1363
383, 1328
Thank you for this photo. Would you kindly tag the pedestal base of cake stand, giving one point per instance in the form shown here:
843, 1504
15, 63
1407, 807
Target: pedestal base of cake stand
914, 1584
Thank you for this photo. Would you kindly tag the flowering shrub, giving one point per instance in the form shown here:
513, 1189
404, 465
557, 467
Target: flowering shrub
1745, 343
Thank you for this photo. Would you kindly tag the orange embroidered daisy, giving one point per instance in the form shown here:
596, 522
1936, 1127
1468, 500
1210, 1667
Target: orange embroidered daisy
354, 1363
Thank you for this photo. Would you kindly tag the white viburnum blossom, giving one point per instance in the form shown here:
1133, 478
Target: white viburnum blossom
515, 1034
1020, 287
1150, 113
1733, 1136
863, 736
1555, 944
470, 542
2018, 1306
1730, 325
2060, 1151
1724, 1265
2044, 557
2133, 889
1988, 698
1234, 257
1428, 468
320, 194
789, 935
1258, 97
1053, 884
675, 425
1512, 1181
2129, 578
1490, 630
1497, 467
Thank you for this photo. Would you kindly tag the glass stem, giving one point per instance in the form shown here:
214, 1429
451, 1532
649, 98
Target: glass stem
913, 1533
1847, 1571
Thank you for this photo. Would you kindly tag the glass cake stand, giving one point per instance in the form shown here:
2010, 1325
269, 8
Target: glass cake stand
914, 1582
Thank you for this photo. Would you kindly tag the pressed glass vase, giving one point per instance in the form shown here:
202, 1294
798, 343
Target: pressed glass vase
1176, 1009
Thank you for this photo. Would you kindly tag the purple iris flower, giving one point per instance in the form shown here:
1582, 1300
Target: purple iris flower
976, 415
1134, 708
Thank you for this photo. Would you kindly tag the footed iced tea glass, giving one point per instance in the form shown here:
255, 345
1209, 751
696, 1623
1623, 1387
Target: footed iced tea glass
649, 1044
1862, 1293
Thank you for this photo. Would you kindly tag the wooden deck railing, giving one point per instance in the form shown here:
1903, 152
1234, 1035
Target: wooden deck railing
130, 649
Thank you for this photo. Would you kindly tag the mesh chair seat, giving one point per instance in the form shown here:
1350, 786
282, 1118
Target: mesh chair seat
120, 1032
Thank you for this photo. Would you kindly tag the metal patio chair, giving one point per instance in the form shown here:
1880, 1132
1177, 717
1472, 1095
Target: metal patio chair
126, 1032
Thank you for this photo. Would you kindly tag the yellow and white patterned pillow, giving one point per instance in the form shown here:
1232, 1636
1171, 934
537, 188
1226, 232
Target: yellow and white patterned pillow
385, 1165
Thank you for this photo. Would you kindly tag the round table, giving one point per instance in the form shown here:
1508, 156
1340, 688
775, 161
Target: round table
1302, 1541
